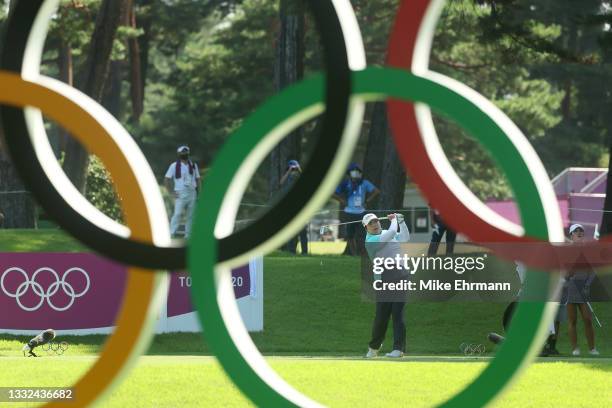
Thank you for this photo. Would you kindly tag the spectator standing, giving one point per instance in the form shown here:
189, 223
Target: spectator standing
183, 181
578, 283
439, 229
354, 194
292, 173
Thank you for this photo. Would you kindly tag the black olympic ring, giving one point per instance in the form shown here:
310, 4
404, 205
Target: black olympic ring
138, 253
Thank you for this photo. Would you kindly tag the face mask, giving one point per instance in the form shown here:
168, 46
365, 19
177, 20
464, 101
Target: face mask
356, 174
184, 156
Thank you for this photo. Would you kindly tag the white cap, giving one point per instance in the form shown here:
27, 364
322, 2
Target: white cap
574, 227
183, 148
367, 218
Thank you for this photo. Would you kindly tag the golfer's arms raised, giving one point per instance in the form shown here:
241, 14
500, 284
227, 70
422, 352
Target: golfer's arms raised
404, 234
389, 234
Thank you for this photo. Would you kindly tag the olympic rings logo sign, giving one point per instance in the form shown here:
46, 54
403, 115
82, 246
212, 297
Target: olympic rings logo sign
27, 284
340, 98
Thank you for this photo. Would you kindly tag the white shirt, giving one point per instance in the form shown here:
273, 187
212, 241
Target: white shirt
187, 181
387, 243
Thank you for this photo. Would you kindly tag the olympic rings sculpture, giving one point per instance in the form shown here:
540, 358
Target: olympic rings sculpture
37, 288
26, 94
38, 167
214, 248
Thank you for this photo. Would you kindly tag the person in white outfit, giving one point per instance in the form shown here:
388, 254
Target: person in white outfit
183, 181
386, 244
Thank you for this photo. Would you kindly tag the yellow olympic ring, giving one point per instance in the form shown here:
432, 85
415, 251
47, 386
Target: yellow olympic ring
144, 290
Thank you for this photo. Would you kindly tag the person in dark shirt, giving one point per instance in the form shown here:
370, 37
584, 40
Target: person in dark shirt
439, 229
292, 173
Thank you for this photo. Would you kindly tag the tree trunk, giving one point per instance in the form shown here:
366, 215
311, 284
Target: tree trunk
16, 204
144, 23
136, 83
112, 90
289, 68
382, 165
66, 66
66, 74
92, 79
571, 42
113, 84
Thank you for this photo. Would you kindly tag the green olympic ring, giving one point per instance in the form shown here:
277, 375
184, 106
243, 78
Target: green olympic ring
212, 290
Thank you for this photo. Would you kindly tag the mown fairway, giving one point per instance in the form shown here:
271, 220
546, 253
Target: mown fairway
179, 381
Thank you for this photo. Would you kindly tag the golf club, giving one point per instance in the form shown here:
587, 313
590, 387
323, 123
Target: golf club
594, 315
327, 226
592, 311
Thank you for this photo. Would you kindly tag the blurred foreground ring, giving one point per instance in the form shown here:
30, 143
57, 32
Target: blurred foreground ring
28, 145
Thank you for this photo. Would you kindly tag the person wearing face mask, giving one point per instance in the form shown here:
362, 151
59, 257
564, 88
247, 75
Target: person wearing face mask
354, 195
183, 181
578, 282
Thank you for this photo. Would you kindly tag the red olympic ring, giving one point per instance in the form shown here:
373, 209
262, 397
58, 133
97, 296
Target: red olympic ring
416, 160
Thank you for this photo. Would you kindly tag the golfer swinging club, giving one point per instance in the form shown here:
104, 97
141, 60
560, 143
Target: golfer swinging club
185, 176
43, 338
386, 243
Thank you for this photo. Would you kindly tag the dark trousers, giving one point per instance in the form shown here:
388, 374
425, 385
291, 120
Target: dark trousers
292, 244
384, 310
354, 233
439, 229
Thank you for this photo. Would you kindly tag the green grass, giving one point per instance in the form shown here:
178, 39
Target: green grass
44, 240
54, 240
164, 381
312, 308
